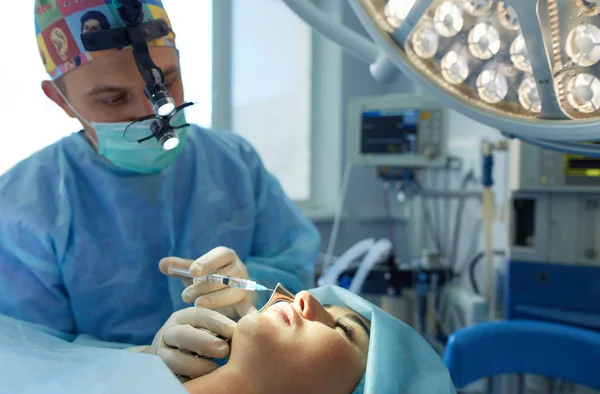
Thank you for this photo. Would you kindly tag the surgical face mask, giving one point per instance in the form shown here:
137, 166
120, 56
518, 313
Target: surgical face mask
146, 157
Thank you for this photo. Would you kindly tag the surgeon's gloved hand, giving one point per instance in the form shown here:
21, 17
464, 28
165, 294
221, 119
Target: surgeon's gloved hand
190, 333
176, 262
229, 301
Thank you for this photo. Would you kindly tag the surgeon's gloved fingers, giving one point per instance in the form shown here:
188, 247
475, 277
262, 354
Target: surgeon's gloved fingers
191, 339
213, 260
208, 319
236, 270
181, 363
221, 298
196, 290
175, 262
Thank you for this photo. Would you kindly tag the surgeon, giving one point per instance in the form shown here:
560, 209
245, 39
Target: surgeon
85, 221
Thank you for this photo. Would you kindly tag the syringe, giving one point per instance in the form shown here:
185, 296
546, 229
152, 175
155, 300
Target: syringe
238, 283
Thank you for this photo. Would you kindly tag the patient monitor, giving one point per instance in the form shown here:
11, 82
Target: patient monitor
400, 130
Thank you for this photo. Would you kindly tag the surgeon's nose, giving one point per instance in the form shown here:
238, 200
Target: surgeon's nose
311, 309
148, 110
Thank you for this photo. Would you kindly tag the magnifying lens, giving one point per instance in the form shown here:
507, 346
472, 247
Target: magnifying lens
168, 139
165, 129
160, 99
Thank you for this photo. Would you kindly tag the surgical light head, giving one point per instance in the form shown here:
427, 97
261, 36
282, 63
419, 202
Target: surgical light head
528, 68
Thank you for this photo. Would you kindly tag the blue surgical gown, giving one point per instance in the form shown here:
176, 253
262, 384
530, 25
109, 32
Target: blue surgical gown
80, 240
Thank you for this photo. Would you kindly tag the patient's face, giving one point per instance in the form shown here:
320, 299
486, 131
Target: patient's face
302, 347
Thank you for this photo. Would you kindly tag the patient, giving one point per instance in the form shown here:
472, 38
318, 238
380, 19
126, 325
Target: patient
301, 346
298, 347
294, 347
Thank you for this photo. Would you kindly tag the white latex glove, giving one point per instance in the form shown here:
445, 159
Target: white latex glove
193, 330
176, 262
229, 301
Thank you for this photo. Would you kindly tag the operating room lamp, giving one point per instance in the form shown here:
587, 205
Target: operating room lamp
530, 68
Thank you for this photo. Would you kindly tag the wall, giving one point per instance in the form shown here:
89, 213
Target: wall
364, 214
363, 189
271, 86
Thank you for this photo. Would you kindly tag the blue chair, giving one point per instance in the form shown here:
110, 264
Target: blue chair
524, 347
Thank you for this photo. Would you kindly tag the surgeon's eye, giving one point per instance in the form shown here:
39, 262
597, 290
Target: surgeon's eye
115, 100
348, 329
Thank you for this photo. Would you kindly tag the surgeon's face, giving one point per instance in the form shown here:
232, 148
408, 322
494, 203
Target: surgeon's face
111, 89
302, 347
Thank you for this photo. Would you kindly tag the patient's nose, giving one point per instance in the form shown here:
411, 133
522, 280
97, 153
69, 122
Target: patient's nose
311, 309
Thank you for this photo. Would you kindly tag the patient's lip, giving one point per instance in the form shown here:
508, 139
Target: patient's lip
285, 311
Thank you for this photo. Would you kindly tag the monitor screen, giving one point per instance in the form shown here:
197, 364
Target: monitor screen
582, 166
389, 131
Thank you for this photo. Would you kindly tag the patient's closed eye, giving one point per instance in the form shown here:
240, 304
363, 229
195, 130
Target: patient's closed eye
347, 328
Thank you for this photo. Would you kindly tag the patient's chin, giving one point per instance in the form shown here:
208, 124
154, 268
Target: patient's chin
255, 333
